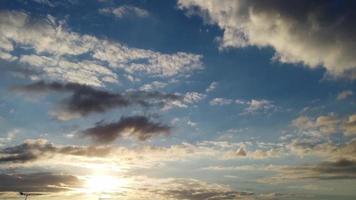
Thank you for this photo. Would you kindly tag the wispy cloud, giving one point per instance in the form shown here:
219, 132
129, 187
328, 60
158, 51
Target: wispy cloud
252, 106
213, 85
220, 101
125, 11
57, 53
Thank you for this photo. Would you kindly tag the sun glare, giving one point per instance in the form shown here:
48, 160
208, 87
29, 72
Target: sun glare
104, 184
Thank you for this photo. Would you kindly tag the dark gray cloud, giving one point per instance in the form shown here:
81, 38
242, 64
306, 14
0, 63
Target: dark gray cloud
37, 182
338, 169
139, 127
33, 150
84, 99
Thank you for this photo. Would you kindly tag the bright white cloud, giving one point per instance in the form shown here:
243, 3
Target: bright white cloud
299, 32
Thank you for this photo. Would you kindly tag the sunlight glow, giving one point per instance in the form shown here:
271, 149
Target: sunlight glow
104, 184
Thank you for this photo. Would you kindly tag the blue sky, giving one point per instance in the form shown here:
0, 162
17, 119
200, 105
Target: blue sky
182, 99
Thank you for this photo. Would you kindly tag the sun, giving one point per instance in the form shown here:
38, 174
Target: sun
104, 184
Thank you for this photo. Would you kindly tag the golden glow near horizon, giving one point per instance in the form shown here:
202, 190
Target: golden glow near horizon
103, 183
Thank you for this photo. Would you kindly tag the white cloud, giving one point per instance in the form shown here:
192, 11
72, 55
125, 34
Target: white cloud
153, 86
220, 101
344, 94
189, 98
193, 97
84, 72
45, 2
7, 56
326, 125
253, 105
239, 101
126, 11
58, 52
191, 123
349, 125
10, 135
299, 32
327, 149
212, 86
259, 105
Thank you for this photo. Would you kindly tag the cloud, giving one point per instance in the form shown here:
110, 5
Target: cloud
6, 56
322, 148
86, 72
212, 86
241, 152
33, 150
10, 135
328, 170
190, 189
253, 105
38, 182
43, 154
126, 11
259, 105
138, 127
220, 101
196, 190
193, 97
299, 31
85, 100
55, 53
153, 86
349, 126
189, 98
326, 125
44, 2
344, 94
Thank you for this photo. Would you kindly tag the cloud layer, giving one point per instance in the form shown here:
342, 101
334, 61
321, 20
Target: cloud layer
56, 53
33, 150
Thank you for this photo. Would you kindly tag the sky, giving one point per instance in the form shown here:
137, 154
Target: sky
178, 99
